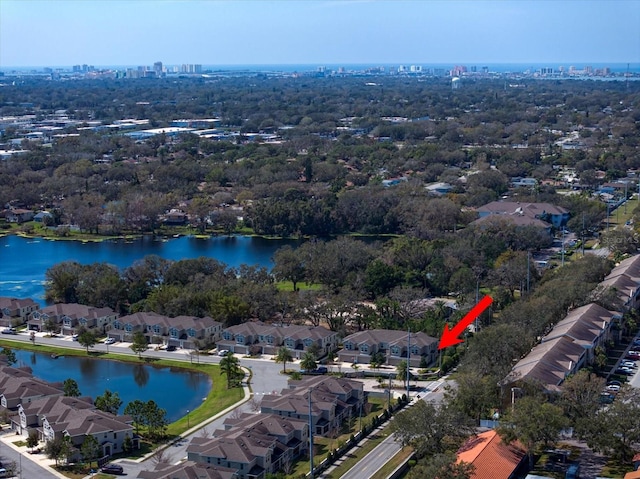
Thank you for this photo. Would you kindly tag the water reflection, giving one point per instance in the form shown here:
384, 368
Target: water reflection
141, 375
88, 367
174, 389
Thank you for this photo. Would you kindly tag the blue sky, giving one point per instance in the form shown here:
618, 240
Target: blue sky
332, 32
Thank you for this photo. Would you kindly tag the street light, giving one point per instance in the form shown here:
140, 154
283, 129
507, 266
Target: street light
513, 397
310, 438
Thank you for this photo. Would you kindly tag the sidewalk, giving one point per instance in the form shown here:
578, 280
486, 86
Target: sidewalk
41, 459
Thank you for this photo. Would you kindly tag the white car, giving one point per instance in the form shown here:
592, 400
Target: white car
629, 364
223, 352
614, 388
110, 341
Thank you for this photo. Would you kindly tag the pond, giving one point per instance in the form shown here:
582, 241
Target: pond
24, 261
174, 389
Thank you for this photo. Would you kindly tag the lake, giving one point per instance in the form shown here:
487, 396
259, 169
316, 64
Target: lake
24, 261
176, 390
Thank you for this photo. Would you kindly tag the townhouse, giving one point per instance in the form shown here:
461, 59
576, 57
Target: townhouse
589, 326
572, 341
394, 345
333, 401
18, 389
546, 212
68, 317
33, 404
16, 311
181, 331
253, 446
110, 431
260, 338
624, 280
188, 470
548, 364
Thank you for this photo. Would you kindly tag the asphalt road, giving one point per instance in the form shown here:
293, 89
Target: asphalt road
266, 378
388, 448
25, 467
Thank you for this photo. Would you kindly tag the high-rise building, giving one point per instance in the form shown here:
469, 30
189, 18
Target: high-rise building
157, 67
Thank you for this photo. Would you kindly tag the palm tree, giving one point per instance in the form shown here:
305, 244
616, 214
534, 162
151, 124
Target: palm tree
308, 362
284, 356
230, 365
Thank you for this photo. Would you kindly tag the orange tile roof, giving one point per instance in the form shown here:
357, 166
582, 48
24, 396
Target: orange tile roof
492, 458
632, 475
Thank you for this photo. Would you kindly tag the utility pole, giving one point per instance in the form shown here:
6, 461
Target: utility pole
310, 438
408, 359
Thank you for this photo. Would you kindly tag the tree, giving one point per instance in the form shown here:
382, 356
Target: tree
534, 422
283, 356
377, 360
51, 326
109, 402
580, 398
288, 266
474, 395
9, 355
155, 419
70, 388
90, 449
615, 430
308, 362
136, 409
87, 339
57, 449
33, 439
441, 466
230, 365
401, 372
431, 429
139, 343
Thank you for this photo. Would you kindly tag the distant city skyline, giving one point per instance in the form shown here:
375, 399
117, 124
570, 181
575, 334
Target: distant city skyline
333, 32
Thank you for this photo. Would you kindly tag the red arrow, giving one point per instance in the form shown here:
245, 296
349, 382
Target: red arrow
450, 336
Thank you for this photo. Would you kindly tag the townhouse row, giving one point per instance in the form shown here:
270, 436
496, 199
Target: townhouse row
181, 331
35, 405
253, 446
572, 342
253, 337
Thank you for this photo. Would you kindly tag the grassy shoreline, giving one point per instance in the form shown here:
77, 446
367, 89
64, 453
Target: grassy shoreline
218, 399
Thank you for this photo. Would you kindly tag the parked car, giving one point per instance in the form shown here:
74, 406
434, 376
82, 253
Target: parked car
613, 388
633, 357
606, 398
112, 469
171, 347
625, 370
223, 352
110, 341
9, 331
628, 363
74, 337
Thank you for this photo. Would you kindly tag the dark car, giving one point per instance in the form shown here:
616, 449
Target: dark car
112, 469
171, 348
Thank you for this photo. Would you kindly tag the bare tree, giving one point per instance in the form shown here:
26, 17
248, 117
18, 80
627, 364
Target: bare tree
255, 403
162, 457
